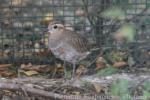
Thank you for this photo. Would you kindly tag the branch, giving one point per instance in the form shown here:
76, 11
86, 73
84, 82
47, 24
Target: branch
85, 5
113, 26
19, 87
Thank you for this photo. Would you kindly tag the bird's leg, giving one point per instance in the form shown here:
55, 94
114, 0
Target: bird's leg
74, 68
65, 70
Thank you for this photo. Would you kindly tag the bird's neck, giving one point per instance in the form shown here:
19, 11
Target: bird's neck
55, 38
56, 35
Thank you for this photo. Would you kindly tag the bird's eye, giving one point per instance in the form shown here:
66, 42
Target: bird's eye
55, 27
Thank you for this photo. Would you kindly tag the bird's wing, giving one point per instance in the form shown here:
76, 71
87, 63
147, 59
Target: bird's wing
77, 41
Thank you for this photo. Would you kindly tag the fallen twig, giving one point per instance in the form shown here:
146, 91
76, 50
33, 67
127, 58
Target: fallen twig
18, 87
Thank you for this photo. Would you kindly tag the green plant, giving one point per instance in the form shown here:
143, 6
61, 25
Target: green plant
146, 91
116, 56
107, 71
120, 89
114, 13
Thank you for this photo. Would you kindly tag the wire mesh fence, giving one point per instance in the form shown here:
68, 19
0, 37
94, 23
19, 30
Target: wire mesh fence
22, 23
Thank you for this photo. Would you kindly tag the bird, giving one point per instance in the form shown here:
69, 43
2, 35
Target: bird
67, 45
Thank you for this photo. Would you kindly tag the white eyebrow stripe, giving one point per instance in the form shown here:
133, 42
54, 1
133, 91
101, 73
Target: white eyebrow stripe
59, 25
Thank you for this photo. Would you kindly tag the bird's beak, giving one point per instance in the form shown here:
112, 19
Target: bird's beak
45, 31
49, 31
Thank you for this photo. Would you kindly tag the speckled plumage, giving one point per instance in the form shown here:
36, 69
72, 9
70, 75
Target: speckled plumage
66, 44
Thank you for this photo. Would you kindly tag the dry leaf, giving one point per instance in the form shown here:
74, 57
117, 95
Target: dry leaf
29, 65
98, 87
59, 68
5, 65
38, 68
3, 68
81, 70
43, 68
23, 66
76, 93
100, 63
42, 53
7, 91
119, 64
30, 73
59, 65
6, 73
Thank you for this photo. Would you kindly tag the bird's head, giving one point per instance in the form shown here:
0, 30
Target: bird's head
55, 27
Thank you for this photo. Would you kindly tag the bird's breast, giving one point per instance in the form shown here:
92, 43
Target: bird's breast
67, 53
